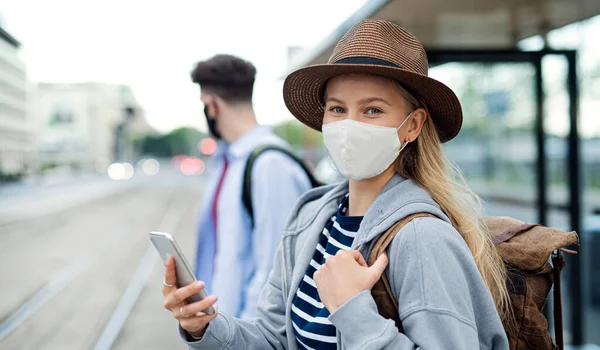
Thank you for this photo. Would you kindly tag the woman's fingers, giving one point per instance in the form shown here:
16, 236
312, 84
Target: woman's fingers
358, 257
191, 317
381, 263
196, 325
185, 292
178, 296
170, 278
199, 308
377, 269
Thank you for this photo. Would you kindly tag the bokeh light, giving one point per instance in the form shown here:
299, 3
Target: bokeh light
116, 171
150, 167
177, 160
192, 166
208, 146
129, 171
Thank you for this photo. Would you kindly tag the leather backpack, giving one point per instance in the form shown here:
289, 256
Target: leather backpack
527, 251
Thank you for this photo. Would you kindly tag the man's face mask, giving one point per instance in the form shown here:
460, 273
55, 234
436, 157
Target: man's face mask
212, 123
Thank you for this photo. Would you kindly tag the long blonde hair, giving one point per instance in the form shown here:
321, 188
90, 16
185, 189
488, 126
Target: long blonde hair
424, 162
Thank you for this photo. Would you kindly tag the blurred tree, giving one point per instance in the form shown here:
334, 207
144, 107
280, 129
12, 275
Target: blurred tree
185, 141
179, 141
154, 146
298, 135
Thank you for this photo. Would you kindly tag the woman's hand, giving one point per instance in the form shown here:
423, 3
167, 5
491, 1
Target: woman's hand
345, 275
191, 317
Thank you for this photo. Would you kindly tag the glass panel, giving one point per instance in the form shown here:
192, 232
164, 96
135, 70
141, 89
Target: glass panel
496, 148
557, 129
583, 37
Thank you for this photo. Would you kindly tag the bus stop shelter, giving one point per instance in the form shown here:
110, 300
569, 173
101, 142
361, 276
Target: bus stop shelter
489, 31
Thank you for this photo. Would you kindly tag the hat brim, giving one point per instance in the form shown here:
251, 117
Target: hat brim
303, 92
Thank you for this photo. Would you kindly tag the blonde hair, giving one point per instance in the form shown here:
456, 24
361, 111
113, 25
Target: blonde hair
424, 162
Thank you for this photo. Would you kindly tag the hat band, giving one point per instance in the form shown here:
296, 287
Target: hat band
366, 60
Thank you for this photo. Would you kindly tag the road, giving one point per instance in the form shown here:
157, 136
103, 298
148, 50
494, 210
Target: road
86, 277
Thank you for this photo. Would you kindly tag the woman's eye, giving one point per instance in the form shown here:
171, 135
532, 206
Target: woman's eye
336, 109
374, 111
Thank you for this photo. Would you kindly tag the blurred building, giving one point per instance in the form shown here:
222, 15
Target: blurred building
86, 126
17, 141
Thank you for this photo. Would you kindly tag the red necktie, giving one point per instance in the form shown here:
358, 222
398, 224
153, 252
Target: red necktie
216, 202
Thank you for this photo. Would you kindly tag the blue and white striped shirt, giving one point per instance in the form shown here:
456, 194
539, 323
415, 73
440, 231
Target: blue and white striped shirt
309, 316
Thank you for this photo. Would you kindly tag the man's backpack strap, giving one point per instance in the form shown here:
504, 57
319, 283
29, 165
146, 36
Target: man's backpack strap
247, 185
387, 305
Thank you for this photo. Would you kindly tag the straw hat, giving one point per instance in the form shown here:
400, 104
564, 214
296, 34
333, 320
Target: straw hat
379, 48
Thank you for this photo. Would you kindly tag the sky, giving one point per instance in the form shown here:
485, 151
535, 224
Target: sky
152, 46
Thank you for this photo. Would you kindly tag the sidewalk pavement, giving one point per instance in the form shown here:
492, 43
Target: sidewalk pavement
28, 200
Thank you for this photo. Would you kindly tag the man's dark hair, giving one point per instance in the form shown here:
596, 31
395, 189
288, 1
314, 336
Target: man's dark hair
227, 76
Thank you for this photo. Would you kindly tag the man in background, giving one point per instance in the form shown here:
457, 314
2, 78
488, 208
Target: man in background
236, 248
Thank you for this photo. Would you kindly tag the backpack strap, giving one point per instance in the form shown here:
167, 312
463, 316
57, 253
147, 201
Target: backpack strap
247, 184
387, 305
558, 263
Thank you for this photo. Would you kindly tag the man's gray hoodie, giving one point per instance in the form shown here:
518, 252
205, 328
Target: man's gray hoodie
442, 300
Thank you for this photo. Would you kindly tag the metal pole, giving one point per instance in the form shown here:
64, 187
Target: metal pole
540, 166
574, 198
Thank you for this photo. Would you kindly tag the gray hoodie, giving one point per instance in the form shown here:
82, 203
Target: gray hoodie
442, 299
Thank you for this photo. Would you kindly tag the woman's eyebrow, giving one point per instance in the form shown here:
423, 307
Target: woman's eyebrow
363, 101
374, 99
333, 99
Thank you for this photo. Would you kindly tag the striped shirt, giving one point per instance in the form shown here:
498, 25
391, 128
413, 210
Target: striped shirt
312, 327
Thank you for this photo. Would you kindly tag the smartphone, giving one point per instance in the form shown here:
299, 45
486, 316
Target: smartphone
166, 246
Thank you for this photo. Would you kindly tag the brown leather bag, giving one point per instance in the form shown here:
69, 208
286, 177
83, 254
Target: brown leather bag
525, 250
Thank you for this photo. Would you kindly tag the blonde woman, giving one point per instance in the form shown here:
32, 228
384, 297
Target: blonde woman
383, 122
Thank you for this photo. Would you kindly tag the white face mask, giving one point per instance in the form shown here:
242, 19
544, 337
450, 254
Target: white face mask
360, 150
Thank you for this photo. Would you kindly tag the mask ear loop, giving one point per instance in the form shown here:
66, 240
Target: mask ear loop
407, 117
404, 146
407, 142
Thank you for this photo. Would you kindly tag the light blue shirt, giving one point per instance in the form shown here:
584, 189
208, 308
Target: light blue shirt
239, 266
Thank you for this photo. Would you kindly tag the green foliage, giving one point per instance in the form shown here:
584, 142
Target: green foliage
179, 141
298, 135
47, 166
10, 177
